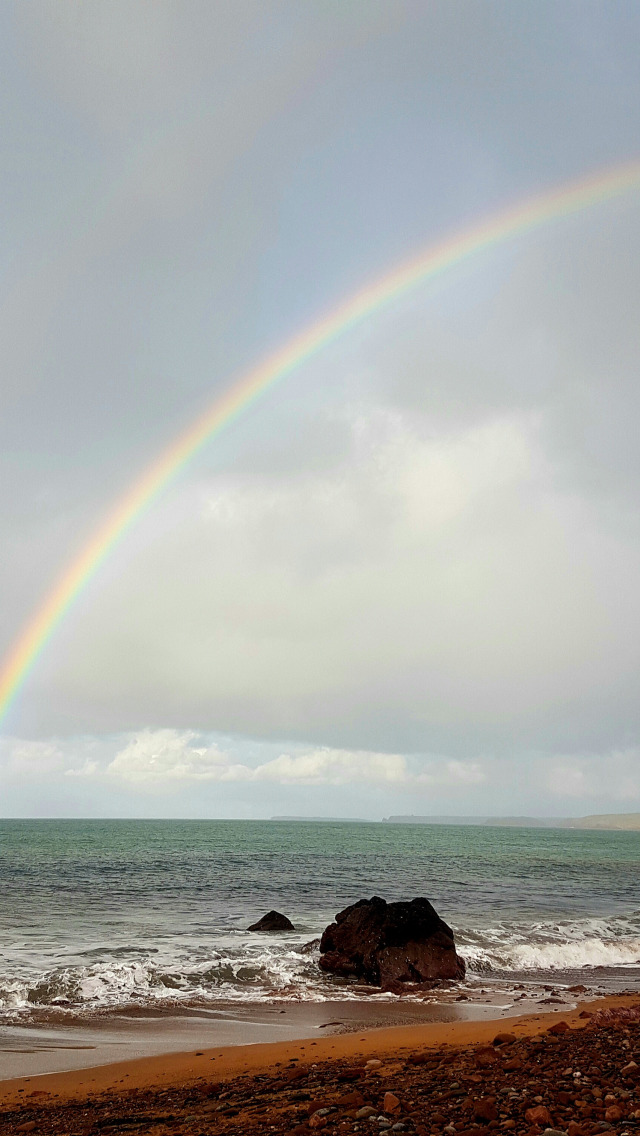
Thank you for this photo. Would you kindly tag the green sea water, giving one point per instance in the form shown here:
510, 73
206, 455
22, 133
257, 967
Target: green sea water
106, 913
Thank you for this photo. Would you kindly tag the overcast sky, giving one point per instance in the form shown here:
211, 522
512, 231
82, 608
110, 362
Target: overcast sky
408, 578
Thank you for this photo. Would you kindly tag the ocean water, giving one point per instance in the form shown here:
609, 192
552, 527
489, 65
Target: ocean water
106, 914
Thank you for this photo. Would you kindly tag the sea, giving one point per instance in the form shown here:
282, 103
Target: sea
98, 916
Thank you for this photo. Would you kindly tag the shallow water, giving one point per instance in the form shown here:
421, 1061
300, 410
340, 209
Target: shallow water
98, 914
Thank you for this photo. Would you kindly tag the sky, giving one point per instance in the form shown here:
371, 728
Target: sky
405, 580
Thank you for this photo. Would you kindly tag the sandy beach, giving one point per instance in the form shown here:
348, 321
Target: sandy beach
210, 1089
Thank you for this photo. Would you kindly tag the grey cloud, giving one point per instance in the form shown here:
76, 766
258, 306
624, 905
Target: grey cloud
426, 541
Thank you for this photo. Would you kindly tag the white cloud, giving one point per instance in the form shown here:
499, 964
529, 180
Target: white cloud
613, 776
161, 756
334, 767
87, 769
25, 758
169, 755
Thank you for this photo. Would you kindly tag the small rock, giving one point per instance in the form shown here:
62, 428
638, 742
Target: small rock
351, 1100
485, 1057
373, 1063
504, 1039
365, 1112
485, 1109
272, 921
391, 1103
559, 1027
613, 1113
317, 1121
539, 1115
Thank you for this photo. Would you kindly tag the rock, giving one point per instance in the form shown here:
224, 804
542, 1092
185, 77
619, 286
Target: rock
391, 1103
539, 1115
272, 921
385, 943
504, 1039
485, 1109
613, 1113
308, 948
365, 1112
350, 1100
559, 1027
484, 1058
317, 1121
420, 1058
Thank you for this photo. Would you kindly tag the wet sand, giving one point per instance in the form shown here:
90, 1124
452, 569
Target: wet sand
60, 1042
364, 1035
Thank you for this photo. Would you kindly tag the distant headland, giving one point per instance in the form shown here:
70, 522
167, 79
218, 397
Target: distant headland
622, 822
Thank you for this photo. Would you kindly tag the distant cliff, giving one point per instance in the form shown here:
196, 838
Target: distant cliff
623, 822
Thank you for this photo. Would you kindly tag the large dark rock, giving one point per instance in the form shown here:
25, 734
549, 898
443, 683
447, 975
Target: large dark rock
386, 943
272, 921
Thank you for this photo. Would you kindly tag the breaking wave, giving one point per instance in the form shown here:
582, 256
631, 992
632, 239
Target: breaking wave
263, 968
553, 946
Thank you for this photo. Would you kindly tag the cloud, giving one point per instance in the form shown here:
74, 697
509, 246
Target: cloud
27, 758
172, 756
87, 769
596, 777
168, 755
334, 767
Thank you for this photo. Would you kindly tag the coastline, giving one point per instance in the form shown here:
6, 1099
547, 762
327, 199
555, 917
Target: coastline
224, 1063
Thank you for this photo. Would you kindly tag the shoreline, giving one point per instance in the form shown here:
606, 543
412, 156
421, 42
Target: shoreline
224, 1063
59, 1042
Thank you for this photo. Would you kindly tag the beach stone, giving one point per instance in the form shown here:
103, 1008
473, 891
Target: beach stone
385, 943
391, 1103
317, 1121
485, 1109
272, 921
559, 1027
351, 1100
513, 1063
504, 1039
613, 1113
539, 1115
365, 1112
485, 1057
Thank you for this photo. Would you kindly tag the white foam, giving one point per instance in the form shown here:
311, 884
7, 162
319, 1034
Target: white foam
570, 945
238, 968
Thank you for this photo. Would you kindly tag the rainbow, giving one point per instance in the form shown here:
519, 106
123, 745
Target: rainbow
429, 263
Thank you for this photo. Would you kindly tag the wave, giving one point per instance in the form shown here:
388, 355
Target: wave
553, 946
238, 969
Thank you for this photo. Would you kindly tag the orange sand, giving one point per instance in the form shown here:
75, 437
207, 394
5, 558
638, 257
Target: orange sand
223, 1064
